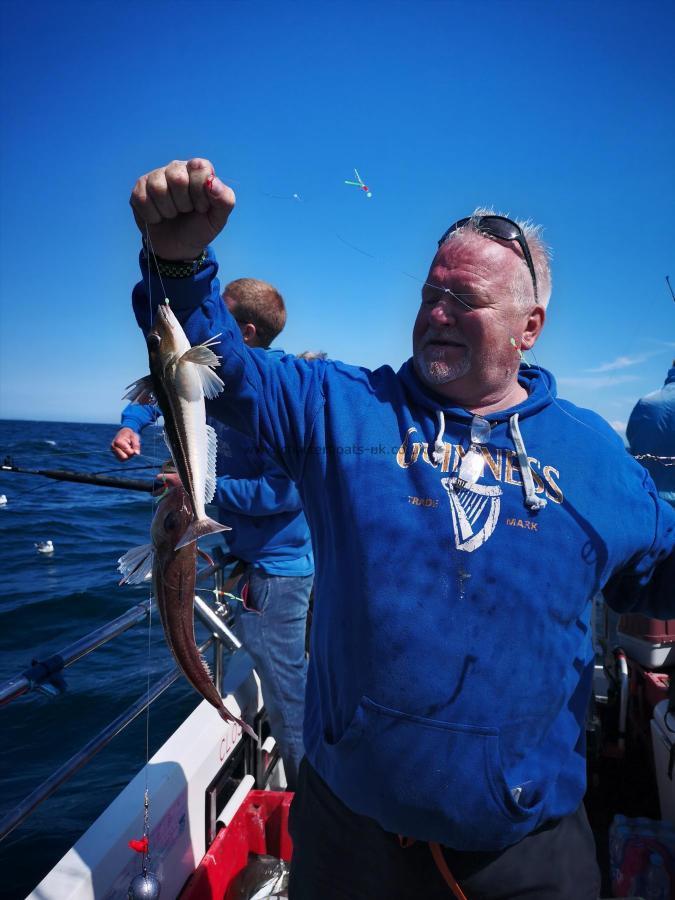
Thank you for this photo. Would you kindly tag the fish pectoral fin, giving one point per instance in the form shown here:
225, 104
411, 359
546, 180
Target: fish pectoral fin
200, 355
204, 358
136, 564
199, 528
141, 391
211, 383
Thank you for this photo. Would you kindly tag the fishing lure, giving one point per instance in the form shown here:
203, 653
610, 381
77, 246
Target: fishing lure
518, 351
359, 184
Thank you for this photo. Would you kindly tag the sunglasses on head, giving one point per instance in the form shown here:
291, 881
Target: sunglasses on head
504, 230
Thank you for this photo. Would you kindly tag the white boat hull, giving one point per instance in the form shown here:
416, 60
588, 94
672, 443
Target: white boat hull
100, 866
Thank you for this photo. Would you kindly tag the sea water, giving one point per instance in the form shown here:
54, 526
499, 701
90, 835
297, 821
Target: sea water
49, 600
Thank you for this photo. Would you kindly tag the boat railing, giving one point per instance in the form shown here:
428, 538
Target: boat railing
45, 675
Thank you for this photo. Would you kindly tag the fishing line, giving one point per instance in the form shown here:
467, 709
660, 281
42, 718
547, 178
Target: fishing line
40, 487
565, 412
143, 845
461, 299
84, 453
383, 262
148, 244
117, 471
279, 197
553, 399
354, 247
146, 795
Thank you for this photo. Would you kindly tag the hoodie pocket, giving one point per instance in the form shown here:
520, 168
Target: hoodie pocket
428, 779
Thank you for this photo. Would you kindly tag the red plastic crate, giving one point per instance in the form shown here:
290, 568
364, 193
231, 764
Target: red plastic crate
656, 631
260, 825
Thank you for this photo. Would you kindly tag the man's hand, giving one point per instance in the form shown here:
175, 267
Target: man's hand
184, 206
126, 444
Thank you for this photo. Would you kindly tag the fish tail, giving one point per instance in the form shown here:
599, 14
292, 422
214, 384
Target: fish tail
198, 528
227, 716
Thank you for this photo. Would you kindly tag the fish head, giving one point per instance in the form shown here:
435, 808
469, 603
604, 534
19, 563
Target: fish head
171, 519
166, 340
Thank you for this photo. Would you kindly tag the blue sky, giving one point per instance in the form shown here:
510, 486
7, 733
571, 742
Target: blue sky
560, 112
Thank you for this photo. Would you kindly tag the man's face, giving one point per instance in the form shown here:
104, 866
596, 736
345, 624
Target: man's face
462, 343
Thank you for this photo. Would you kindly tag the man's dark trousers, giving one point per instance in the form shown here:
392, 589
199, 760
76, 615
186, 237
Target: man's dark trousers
339, 855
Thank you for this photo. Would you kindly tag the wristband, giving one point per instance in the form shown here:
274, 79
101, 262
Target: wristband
174, 268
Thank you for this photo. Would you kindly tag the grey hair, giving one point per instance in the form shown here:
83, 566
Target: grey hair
521, 284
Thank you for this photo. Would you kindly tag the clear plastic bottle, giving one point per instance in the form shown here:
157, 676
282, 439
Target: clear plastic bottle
615, 848
656, 880
618, 823
619, 840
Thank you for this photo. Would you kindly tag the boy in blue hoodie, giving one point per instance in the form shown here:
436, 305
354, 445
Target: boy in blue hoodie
463, 519
269, 533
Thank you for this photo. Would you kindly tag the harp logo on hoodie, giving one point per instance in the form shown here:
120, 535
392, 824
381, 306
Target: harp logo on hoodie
475, 510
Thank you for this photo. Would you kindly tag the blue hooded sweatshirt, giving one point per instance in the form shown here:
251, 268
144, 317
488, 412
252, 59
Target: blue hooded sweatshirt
254, 497
651, 429
452, 656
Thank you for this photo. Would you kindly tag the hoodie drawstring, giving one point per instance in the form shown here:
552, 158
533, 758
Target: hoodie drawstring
531, 500
439, 447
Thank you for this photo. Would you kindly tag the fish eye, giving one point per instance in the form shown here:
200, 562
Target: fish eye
170, 521
153, 341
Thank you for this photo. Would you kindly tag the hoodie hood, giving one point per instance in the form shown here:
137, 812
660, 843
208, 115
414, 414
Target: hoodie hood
539, 384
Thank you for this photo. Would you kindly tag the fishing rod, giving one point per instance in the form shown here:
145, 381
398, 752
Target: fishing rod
127, 484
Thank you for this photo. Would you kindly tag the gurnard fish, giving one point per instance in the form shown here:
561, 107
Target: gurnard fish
180, 377
174, 574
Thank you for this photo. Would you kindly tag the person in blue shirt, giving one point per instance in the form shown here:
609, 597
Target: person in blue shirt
651, 431
261, 504
463, 519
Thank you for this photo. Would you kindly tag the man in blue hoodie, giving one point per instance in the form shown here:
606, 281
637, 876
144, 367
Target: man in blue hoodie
651, 431
269, 533
463, 520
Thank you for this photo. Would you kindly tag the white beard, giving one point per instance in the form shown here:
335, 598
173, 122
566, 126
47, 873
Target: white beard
435, 369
